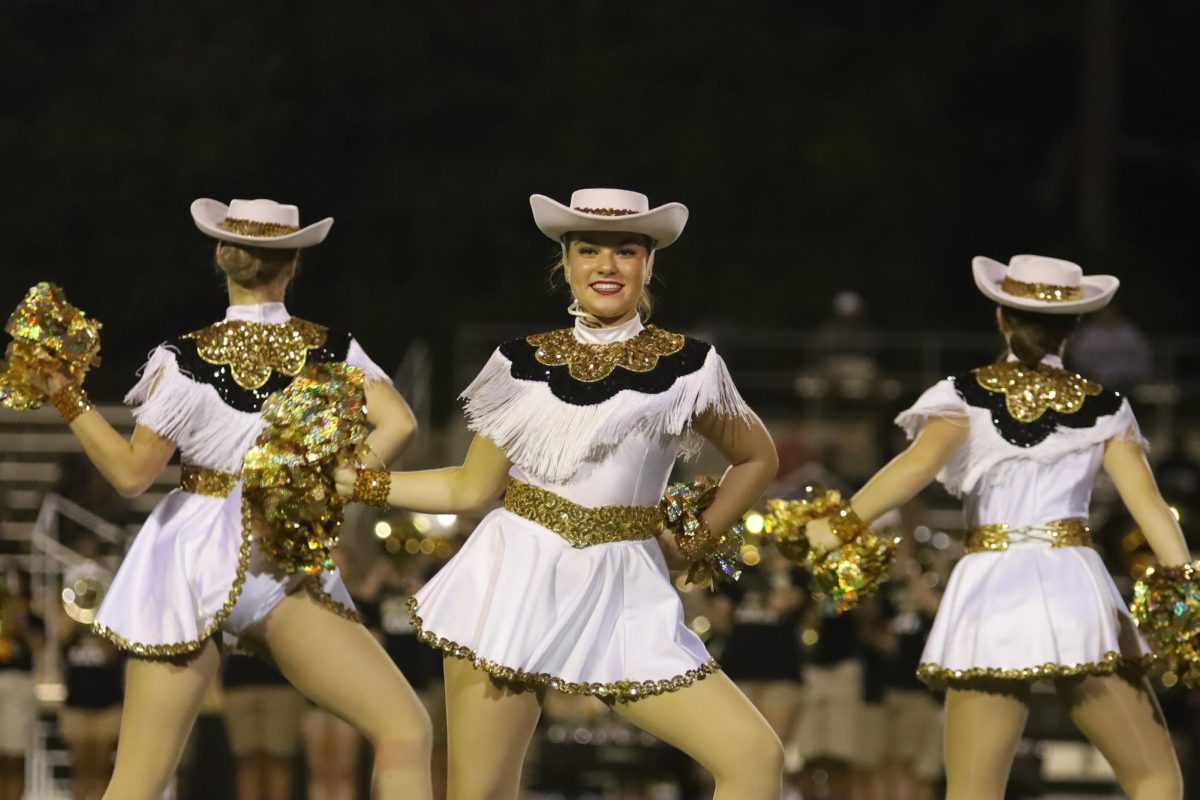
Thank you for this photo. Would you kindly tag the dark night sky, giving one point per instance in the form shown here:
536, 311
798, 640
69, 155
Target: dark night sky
818, 147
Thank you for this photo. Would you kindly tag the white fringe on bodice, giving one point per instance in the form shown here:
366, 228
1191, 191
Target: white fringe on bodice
551, 439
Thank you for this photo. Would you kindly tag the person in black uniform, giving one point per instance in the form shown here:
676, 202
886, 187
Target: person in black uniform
90, 718
382, 600
22, 635
762, 651
904, 718
829, 734
262, 717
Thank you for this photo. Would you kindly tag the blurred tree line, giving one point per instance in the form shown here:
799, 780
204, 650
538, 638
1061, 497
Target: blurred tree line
820, 145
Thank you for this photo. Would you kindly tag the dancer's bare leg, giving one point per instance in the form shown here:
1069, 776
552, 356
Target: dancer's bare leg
714, 723
984, 722
162, 699
340, 665
1121, 717
489, 729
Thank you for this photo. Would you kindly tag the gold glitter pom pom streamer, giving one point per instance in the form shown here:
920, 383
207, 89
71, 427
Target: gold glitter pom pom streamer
714, 556
288, 491
848, 573
49, 335
1166, 607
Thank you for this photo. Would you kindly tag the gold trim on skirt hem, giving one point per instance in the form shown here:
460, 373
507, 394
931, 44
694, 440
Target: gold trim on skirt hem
625, 691
937, 676
190, 646
318, 593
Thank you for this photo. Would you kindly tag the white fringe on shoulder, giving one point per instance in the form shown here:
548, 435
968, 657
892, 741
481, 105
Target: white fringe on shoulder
550, 438
987, 455
191, 414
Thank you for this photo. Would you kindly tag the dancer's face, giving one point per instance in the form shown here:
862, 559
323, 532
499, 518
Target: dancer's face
607, 273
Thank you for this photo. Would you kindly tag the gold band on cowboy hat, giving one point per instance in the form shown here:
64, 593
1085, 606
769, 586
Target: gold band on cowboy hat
1046, 292
607, 212
250, 227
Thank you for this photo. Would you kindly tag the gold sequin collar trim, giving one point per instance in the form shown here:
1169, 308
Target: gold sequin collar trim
937, 676
607, 212
582, 526
996, 537
594, 362
250, 227
252, 350
625, 691
1046, 292
1029, 393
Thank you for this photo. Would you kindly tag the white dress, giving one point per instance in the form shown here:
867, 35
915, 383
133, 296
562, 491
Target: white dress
519, 600
192, 569
1033, 610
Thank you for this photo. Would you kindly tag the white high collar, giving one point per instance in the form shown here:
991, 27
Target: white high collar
270, 313
617, 333
1048, 360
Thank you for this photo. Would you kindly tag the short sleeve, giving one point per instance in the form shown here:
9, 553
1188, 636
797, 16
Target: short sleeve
1125, 428
357, 357
939, 400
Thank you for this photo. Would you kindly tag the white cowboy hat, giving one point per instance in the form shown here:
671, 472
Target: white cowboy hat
609, 210
1045, 285
258, 223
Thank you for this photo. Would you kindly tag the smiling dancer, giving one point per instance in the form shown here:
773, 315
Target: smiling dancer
192, 574
566, 586
1022, 441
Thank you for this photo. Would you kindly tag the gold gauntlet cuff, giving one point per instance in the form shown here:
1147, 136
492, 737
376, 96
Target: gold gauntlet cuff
71, 401
372, 486
714, 556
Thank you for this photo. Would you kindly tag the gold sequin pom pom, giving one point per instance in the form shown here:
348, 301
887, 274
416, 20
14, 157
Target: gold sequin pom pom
785, 521
1166, 607
49, 335
714, 556
848, 573
289, 498
71, 402
372, 486
851, 572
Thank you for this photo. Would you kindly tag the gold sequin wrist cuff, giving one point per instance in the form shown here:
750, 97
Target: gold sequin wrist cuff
372, 487
846, 524
714, 556
71, 401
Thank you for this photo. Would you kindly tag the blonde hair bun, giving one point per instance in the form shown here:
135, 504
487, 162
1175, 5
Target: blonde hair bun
238, 263
252, 265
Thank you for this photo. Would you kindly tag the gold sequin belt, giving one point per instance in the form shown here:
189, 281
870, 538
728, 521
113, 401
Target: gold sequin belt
208, 482
582, 526
1059, 533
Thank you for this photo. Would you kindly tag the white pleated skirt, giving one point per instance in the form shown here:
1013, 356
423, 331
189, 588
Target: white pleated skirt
1030, 612
526, 607
193, 572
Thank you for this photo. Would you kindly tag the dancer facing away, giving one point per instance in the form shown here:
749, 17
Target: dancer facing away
1022, 441
193, 573
566, 586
